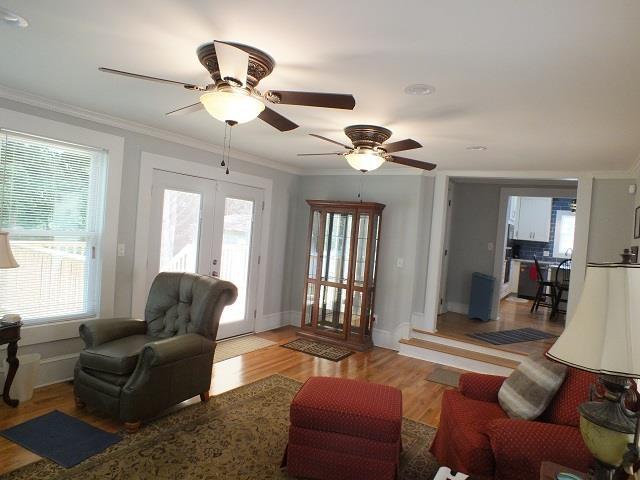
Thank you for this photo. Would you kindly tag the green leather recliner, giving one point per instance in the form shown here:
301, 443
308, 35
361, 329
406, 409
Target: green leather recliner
134, 369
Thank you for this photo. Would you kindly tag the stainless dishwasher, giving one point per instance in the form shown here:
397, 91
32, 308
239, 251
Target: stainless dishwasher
527, 286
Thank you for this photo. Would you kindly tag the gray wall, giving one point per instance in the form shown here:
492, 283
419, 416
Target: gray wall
611, 222
407, 198
474, 223
284, 188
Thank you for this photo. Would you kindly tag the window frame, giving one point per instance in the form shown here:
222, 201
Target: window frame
556, 236
113, 146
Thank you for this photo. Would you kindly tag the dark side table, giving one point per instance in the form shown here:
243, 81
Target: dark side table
10, 334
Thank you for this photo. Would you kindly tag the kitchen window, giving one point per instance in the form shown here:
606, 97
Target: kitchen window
564, 231
52, 204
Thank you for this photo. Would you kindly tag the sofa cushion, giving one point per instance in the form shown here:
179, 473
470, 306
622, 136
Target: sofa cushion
563, 410
117, 356
531, 387
350, 407
461, 441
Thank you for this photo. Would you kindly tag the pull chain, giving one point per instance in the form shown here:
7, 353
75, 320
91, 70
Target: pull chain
360, 188
229, 149
224, 145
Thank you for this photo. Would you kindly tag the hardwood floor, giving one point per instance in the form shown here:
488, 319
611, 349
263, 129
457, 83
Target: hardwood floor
421, 399
512, 316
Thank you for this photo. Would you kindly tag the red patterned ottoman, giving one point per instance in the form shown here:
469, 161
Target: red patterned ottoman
344, 430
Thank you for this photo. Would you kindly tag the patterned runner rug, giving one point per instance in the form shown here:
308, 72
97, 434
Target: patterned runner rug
319, 349
504, 337
239, 434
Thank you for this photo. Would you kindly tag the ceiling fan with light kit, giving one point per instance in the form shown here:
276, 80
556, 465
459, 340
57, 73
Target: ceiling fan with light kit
369, 150
233, 97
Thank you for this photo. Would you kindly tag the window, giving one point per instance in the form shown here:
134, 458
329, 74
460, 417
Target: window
563, 239
51, 203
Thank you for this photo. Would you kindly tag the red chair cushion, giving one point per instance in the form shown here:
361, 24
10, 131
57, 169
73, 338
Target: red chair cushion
349, 407
461, 442
563, 410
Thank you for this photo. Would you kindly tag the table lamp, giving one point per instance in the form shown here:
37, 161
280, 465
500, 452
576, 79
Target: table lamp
603, 337
6, 255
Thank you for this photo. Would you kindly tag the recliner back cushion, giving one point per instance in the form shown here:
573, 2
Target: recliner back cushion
181, 303
563, 410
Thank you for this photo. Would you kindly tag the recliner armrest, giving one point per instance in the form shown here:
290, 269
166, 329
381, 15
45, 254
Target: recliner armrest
521, 446
175, 348
103, 330
478, 386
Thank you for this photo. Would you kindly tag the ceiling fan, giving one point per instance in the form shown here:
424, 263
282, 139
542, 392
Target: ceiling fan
233, 97
369, 150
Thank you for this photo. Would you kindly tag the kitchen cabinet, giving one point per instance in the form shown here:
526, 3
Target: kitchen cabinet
513, 210
534, 219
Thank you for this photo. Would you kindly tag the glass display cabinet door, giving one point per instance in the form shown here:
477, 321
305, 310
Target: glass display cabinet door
333, 295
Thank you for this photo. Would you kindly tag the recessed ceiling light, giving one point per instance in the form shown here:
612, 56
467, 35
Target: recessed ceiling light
7, 17
419, 89
479, 148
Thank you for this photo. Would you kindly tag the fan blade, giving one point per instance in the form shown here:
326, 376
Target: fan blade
188, 109
401, 145
329, 140
311, 154
410, 162
312, 99
188, 86
233, 63
276, 120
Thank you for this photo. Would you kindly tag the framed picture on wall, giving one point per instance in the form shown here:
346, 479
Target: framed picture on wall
636, 225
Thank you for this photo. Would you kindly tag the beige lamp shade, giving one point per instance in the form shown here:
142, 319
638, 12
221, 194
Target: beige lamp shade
6, 255
603, 335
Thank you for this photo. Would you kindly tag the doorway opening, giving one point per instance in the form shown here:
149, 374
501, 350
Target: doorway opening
495, 295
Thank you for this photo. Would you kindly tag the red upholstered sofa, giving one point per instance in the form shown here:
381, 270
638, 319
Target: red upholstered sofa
478, 438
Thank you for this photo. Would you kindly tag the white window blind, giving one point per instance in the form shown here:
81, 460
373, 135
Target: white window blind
51, 203
565, 229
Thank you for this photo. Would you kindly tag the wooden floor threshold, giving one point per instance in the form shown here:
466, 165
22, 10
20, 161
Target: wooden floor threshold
473, 341
460, 352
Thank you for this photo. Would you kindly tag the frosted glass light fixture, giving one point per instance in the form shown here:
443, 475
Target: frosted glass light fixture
232, 105
364, 159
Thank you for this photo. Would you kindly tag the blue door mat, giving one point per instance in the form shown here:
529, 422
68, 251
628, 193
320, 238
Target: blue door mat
61, 438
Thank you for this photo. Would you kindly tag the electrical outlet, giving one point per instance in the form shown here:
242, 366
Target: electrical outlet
400, 263
121, 250
490, 246
546, 253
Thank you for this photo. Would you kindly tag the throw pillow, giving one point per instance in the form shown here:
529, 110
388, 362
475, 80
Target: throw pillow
530, 388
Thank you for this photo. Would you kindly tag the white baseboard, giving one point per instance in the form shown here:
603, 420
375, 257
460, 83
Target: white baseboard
452, 360
277, 320
57, 369
390, 339
456, 307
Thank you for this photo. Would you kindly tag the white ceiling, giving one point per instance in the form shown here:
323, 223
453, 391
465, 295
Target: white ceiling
545, 84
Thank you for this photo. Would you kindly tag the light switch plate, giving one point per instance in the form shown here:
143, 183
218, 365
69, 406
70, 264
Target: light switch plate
490, 246
400, 263
546, 253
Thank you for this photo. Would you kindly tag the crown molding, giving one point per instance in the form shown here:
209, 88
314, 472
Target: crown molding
104, 119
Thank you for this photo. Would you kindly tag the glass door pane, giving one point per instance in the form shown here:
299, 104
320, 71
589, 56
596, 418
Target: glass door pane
180, 231
236, 252
332, 308
337, 242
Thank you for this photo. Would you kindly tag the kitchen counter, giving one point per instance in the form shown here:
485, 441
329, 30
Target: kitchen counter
541, 262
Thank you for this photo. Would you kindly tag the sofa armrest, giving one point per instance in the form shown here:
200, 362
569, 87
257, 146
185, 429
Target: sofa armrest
520, 447
481, 387
103, 330
175, 348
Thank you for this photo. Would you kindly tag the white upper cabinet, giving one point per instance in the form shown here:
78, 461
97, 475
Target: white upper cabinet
534, 219
513, 210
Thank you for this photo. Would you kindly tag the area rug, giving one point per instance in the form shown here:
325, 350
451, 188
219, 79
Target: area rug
237, 346
444, 376
319, 349
60, 437
503, 337
240, 434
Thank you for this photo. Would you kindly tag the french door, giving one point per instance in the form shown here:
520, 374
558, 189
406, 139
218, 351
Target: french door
210, 227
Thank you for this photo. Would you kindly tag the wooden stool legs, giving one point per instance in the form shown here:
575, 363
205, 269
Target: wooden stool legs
204, 397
